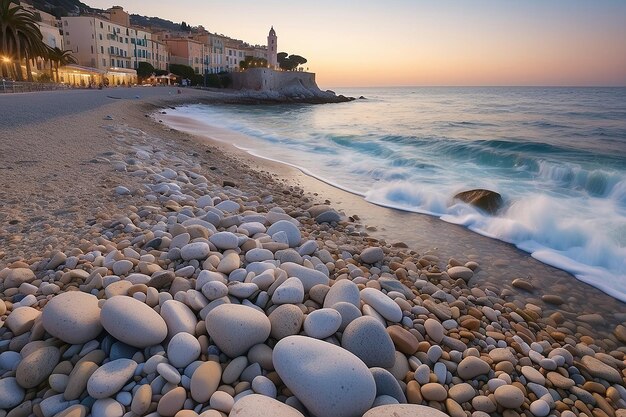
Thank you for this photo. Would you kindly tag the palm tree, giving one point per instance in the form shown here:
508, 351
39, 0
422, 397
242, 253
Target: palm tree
20, 37
60, 58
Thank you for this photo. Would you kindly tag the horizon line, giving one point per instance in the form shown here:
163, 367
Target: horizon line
481, 86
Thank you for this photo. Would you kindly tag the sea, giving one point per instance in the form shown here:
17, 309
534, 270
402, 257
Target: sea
556, 155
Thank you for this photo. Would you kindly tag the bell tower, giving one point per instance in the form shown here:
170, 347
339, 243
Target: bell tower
272, 49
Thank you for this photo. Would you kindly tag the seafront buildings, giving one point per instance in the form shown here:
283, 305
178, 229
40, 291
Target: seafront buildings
109, 48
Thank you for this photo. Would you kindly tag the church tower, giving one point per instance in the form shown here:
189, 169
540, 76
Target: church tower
272, 49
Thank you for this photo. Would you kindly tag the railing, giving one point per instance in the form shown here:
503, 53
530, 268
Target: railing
26, 87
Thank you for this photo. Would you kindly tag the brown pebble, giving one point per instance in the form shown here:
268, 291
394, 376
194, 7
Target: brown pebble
413, 393
404, 341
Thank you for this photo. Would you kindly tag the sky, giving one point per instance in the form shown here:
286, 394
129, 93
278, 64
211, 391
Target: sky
360, 43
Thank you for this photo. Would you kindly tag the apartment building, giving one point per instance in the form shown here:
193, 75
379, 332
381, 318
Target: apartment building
186, 51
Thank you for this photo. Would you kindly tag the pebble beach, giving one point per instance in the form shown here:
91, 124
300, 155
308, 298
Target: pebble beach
148, 272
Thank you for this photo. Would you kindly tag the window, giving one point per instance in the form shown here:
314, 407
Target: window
92, 49
101, 49
100, 36
101, 25
112, 62
104, 62
67, 34
66, 23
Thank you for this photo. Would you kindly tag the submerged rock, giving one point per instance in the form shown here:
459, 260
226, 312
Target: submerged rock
486, 200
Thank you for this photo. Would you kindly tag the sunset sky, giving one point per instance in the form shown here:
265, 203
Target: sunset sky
412, 42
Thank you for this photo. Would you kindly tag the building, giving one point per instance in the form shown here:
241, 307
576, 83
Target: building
186, 51
272, 49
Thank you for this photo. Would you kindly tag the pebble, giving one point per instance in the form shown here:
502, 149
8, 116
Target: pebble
22, 319
132, 322
285, 320
73, 317
404, 410
327, 379
172, 402
141, 399
372, 255
600, 370
461, 272
434, 392
222, 401
462, 393
37, 366
383, 305
108, 379
540, 408
195, 250
404, 340
236, 328
255, 405
107, 407
509, 396
178, 318
309, 277
471, 367
11, 393
183, 349
291, 231
434, 329
289, 292
343, 290
322, 323
205, 380
366, 338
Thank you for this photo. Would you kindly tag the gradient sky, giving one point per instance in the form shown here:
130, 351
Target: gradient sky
412, 42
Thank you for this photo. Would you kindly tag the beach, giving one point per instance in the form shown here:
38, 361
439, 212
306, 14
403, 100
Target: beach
257, 284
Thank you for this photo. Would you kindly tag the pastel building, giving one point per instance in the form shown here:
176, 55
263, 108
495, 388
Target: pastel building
187, 51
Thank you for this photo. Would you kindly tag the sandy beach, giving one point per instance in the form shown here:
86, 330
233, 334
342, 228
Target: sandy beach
247, 285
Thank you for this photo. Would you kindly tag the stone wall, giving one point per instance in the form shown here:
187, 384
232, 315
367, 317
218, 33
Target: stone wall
265, 79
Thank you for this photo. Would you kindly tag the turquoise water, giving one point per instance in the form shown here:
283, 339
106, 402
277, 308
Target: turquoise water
556, 155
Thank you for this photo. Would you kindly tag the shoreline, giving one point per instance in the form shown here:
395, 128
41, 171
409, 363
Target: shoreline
63, 195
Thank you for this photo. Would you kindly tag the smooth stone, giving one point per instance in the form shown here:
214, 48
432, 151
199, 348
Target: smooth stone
122, 267
195, 250
387, 384
37, 366
213, 290
343, 290
404, 410
224, 240
327, 379
108, 379
11, 393
77, 383
462, 393
599, 369
22, 319
222, 401
434, 329
383, 305
18, 276
540, 408
285, 320
229, 263
264, 386
107, 407
259, 255
434, 392
133, 322
289, 292
178, 317
348, 312
169, 373
205, 380
236, 328
172, 402
309, 277
9, 360
461, 272
509, 396
141, 400
293, 233
471, 367
255, 405
73, 317
183, 349
372, 255
366, 338
322, 323
502, 355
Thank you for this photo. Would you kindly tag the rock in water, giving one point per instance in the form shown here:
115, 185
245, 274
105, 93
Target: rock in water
132, 322
255, 405
328, 380
486, 200
235, 328
73, 317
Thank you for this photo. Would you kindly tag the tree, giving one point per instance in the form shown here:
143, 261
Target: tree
144, 70
184, 71
290, 62
252, 62
185, 27
20, 38
60, 58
